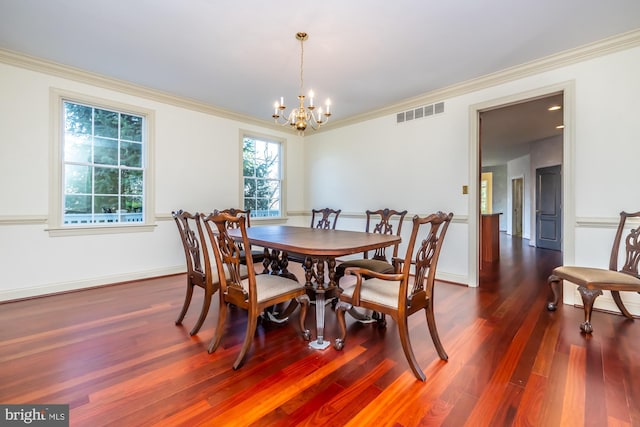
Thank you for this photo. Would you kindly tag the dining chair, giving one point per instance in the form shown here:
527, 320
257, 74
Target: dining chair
253, 294
592, 281
326, 218
402, 293
256, 255
199, 271
382, 221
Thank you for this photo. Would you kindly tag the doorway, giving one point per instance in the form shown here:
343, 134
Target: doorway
520, 134
517, 204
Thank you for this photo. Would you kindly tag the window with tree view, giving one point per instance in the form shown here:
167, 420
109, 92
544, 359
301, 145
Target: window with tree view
262, 176
103, 165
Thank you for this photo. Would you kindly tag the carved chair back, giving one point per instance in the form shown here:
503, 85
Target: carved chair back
426, 257
228, 254
632, 247
327, 218
384, 225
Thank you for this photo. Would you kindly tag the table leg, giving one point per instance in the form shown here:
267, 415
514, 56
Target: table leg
314, 270
319, 343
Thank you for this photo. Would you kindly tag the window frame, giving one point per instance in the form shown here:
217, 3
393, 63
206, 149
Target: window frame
272, 139
56, 226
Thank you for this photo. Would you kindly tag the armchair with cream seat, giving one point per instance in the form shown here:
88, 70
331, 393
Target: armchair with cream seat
405, 292
255, 293
593, 281
382, 221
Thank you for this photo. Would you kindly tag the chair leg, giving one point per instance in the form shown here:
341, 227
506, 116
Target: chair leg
217, 337
185, 306
252, 324
341, 309
433, 330
621, 307
382, 320
203, 313
588, 298
403, 328
555, 283
304, 306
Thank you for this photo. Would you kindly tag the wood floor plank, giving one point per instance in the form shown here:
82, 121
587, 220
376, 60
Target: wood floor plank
573, 403
116, 357
493, 396
529, 409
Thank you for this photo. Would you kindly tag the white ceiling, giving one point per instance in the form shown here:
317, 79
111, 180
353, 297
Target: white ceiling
365, 55
508, 132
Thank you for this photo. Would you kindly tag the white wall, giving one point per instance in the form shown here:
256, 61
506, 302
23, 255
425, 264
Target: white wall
197, 168
420, 166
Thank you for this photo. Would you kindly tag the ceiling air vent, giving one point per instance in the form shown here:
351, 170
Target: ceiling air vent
420, 112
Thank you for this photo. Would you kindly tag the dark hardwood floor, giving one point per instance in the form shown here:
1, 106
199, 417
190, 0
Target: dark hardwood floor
115, 356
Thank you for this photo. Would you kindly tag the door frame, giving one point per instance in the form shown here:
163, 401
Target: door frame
568, 160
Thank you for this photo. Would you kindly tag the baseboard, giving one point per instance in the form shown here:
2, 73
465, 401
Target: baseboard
55, 288
452, 278
604, 302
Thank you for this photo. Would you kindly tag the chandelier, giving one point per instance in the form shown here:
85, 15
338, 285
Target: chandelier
302, 116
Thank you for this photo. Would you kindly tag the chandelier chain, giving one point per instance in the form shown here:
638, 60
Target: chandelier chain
301, 66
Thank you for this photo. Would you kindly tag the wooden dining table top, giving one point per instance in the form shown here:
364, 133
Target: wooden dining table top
315, 241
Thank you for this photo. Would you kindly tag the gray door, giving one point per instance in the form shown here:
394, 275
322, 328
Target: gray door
549, 207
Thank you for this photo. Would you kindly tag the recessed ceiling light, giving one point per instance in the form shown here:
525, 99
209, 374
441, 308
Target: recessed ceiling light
554, 107
560, 127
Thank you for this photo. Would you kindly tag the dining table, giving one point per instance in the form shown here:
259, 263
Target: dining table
319, 248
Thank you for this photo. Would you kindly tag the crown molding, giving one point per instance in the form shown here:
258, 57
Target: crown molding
593, 50
600, 48
76, 74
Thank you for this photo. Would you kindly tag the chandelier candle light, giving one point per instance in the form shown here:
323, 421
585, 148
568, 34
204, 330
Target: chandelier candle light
302, 116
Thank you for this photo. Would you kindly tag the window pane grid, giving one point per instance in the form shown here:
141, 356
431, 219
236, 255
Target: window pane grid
262, 177
105, 148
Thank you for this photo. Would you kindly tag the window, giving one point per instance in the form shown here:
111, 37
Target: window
101, 168
262, 176
486, 193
